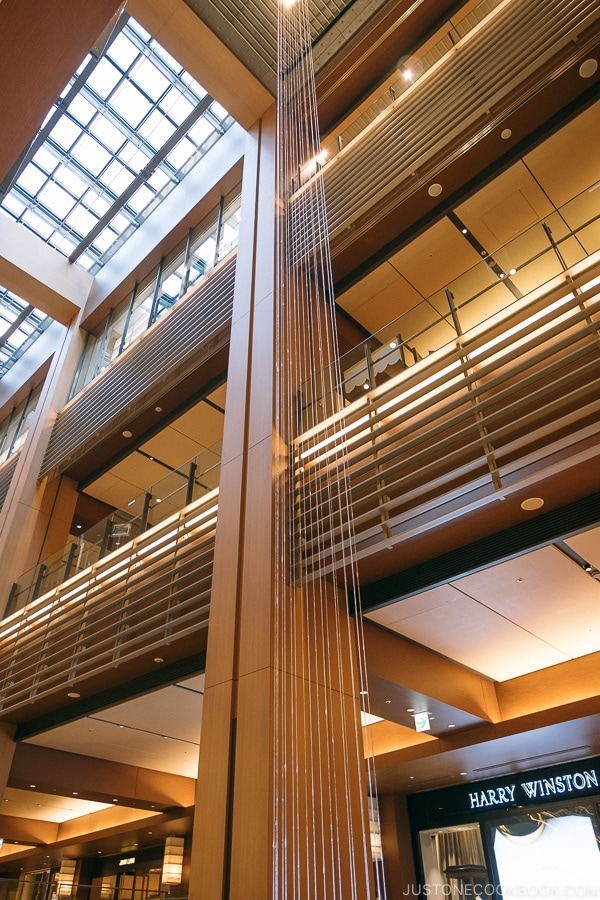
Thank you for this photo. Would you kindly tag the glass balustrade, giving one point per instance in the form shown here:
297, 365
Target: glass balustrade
533, 259
172, 493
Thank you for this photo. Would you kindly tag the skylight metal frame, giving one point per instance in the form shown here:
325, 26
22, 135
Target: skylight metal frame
120, 148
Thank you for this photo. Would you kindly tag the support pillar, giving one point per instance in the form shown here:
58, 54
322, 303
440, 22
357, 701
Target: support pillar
238, 820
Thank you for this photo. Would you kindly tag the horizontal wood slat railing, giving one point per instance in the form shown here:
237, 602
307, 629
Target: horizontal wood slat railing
509, 402
467, 93
152, 592
177, 344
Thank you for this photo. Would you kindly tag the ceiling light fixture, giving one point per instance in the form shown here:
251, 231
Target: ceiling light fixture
588, 68
127, 434
532, 503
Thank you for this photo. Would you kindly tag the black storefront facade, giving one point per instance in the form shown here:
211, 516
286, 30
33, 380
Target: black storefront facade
530, 833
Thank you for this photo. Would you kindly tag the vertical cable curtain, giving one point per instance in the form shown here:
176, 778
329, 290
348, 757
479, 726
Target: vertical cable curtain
322, 846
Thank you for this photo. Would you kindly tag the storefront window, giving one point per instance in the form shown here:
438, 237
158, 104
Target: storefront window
453, 860
526, 834
548, 853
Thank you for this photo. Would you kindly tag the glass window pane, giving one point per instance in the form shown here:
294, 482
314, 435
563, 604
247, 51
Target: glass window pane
81, 221
45, 159
176, 105
117, 177
56, 198
156, 129
201, 131
122, 51
81, 109
134, 158
104, 78
158, 180
141, 198
97, 202
65, 133
130, 103
107, 133
105, 239
13, 205
71, 180
31, 179
180, 154
150, 79
90, 154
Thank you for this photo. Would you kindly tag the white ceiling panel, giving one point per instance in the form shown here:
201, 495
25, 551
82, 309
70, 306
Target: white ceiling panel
91, 737
174, 711
587, 545
47, 807
546, 594
468, 632
160, 730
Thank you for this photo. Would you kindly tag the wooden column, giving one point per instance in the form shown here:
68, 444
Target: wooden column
235, 830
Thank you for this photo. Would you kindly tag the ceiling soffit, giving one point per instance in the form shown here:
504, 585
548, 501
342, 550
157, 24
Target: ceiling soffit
249, 29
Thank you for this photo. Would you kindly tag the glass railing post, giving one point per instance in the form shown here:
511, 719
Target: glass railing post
106, 537
189, 494
37, 586
145, 511
369, 361
11, 602
69, 562
453, 312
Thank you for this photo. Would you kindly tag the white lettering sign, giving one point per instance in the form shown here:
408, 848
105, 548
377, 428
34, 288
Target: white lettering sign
540, 788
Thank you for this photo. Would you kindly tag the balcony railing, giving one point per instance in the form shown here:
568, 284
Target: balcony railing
513, 400
151, 592
171, 494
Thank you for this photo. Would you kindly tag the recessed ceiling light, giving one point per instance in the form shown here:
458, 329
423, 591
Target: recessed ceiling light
505, 134
451, 726
127, 434
588, 68
532, 503
158, 409
462, 773
435, 190
115, 800
410, 709
75, 793
78, 526
74, 695
158, 659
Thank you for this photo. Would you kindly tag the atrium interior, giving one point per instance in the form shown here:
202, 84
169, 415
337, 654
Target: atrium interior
462, 180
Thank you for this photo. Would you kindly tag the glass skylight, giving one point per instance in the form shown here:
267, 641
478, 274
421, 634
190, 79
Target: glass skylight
20, 326
128, 127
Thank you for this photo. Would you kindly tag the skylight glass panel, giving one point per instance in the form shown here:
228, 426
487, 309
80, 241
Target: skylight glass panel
133, 110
